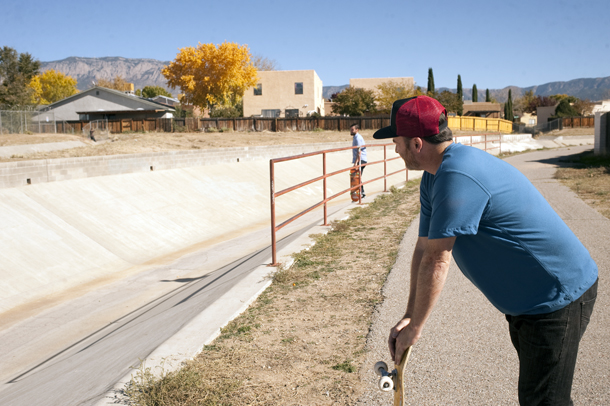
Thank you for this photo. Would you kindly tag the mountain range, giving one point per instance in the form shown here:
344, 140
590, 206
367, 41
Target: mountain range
147, 72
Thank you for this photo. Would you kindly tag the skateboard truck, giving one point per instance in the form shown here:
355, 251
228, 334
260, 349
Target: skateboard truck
386, 382
395, 379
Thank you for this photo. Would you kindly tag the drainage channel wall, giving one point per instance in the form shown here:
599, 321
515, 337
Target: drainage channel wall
82, 219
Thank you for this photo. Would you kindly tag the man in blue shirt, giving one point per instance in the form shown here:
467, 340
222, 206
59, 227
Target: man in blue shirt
358, 158
505, 238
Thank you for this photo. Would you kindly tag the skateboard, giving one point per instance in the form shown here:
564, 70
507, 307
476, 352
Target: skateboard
395, 379
354, 181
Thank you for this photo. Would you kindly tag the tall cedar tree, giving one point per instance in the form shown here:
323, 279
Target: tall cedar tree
487, 98
475, 93
460, 94
508, 107
431, 89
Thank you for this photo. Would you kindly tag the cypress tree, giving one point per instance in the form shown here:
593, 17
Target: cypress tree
430, 81
475, 93
508, 107
487, 98
460, 95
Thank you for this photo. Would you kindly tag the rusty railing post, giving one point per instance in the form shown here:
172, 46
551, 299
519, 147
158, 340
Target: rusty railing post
324, 187
360, 170
273, 237
385, 169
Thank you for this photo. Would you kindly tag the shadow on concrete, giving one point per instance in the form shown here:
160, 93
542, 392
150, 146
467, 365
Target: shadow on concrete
567, 161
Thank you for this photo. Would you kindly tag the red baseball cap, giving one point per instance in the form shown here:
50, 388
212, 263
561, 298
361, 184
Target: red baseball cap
414, 117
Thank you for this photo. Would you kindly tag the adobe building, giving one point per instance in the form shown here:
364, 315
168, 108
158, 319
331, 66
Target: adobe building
285, 93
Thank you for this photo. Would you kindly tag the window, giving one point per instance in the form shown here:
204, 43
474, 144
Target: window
291, 113
298, 88
270, 113
258, 89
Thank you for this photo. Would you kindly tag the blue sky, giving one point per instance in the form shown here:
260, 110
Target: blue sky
493, 44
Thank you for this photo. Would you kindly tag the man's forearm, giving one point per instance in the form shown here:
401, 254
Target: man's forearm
418, 253
431, 276
429, 271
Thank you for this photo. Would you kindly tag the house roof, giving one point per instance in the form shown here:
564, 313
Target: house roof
482, 107
146, 102
119, 111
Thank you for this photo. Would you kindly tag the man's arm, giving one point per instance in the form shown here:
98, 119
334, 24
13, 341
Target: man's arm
429, 268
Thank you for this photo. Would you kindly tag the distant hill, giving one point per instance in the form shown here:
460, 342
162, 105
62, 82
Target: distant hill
140, 72
147, 72
593, 89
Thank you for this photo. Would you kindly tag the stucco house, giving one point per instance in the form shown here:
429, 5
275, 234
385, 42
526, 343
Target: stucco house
544, 113
286, 93
103, 103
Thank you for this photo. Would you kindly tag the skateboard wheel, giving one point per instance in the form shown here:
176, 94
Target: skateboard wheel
380, 368
386, 383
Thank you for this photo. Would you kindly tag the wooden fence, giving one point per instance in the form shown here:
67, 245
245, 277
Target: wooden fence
331, 123
480, 124
573, 122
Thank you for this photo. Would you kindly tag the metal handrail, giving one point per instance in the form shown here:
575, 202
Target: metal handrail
482, 142
325, 198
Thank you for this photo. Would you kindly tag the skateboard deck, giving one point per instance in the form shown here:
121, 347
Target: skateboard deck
395, 379
354, 181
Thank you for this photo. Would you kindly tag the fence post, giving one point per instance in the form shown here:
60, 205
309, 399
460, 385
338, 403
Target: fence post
273, 241
324, 187
385, 169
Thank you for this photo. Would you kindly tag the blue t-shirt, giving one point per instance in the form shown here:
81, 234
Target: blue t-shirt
510, 242
358, 141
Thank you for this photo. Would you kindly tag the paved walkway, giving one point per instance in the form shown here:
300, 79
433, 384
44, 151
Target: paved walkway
465, 356
9, 151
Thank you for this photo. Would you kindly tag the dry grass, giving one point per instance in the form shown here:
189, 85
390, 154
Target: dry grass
146, 142
589, 178
303, 340
138, 143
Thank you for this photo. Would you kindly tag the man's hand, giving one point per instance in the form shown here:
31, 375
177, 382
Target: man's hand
402, 336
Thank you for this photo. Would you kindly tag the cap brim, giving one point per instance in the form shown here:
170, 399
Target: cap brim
385, 132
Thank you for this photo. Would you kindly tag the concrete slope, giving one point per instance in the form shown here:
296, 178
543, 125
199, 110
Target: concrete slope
61, 234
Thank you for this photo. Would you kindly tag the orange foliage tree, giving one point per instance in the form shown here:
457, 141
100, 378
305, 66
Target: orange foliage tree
211, 74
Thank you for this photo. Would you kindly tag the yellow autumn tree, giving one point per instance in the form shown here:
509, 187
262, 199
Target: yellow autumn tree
51, 86
118, 83
212, 74
388, 92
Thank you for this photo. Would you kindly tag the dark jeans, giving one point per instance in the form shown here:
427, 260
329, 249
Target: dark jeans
547, 346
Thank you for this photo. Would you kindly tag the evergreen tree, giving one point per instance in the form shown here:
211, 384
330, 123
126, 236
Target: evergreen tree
460, 95
475, 93
508, 107
16, 72
431, 89
487, 98
564, 109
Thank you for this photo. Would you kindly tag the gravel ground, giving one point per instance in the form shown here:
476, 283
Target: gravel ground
465, 356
